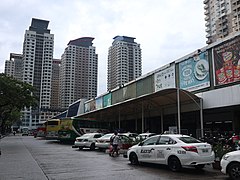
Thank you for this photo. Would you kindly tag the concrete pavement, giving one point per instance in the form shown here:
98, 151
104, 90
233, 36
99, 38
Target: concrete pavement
16, 162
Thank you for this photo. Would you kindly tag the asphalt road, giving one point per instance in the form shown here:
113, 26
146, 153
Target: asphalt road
24, 157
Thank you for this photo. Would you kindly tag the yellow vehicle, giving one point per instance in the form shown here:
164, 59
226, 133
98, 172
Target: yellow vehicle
53, 126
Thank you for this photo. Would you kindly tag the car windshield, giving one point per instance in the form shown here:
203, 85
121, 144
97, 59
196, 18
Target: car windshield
106, 136
189, 139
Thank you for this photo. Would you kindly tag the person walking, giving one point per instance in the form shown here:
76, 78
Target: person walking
115, 143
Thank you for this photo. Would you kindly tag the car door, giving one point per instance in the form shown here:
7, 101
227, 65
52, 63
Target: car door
147, 150
163, 149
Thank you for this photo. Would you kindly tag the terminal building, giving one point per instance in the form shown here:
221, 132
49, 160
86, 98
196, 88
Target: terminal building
195, 94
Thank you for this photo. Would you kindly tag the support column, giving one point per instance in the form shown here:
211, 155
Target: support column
201, 117
119, 119
161, 121
179, 111
142, 117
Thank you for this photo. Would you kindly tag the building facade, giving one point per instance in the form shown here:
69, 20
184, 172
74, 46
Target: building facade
55, 84
37, 68
124, 61
13, 66
222, 19
78, 74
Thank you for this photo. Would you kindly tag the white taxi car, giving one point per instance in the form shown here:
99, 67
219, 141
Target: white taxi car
87, 140
174, 150
230, 164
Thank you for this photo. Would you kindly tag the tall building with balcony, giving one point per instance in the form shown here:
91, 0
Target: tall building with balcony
222, 19
124, 61
78, 72
37, 68
13, 66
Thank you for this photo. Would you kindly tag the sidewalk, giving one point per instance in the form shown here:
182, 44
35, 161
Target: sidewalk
16, 162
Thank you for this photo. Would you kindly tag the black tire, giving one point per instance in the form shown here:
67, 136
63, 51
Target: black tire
234, 171
199, 166
92, 147
133, 159
80, 148
174, 164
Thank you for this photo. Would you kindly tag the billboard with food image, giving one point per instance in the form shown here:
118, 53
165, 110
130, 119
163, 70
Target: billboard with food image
227, 62
194, 72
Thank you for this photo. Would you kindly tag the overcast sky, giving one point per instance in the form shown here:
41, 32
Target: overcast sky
166, 29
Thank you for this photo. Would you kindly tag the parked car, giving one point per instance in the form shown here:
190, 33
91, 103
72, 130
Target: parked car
144, 136
174, 150
103, 142
87, 140
131, 135
230, 164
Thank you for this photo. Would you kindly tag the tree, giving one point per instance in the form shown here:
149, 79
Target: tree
14, 96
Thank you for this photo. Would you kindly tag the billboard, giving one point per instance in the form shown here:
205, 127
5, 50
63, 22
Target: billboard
107, 100
165, 78
227, 62
194, 72
99, 102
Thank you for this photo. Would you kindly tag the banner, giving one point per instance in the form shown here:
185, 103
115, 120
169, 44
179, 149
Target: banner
165, 78
99, 103
194, 72
227, 62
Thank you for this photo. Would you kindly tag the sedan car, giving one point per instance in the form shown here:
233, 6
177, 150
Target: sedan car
174, 150
144, 136
87, 140
230, 164
104, 142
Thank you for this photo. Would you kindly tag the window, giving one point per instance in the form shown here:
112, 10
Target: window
151, 141
189, 140
166, 140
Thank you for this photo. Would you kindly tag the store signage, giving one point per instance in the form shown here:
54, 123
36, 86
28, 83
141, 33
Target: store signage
194, 72
165, 78
227, 62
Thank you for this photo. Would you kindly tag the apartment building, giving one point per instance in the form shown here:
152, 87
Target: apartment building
37, 68
222, 19
124, 61
78, 73
13, 66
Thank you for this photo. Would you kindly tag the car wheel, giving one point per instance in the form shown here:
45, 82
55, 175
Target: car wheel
92, 147
174, 164
199, 166
133, 159
234, 171
80, 148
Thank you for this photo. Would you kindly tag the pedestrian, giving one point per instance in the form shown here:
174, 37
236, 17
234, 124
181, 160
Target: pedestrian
115, 143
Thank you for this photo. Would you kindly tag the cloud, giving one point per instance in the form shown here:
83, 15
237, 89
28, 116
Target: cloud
166, 30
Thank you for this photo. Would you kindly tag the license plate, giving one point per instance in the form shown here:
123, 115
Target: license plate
205, 150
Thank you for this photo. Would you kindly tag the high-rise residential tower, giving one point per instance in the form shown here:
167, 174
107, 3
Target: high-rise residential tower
78, 72
37, 67
124, 61
13, 66
222, 18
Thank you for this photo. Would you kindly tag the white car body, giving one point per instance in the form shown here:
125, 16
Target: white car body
163, 149
87, 140
230, 164
104, 141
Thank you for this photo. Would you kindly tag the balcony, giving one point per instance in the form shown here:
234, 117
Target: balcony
206, 6
208, 29
206, 12
207, 24
208, 35
206, 18
205, 1
209, 41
